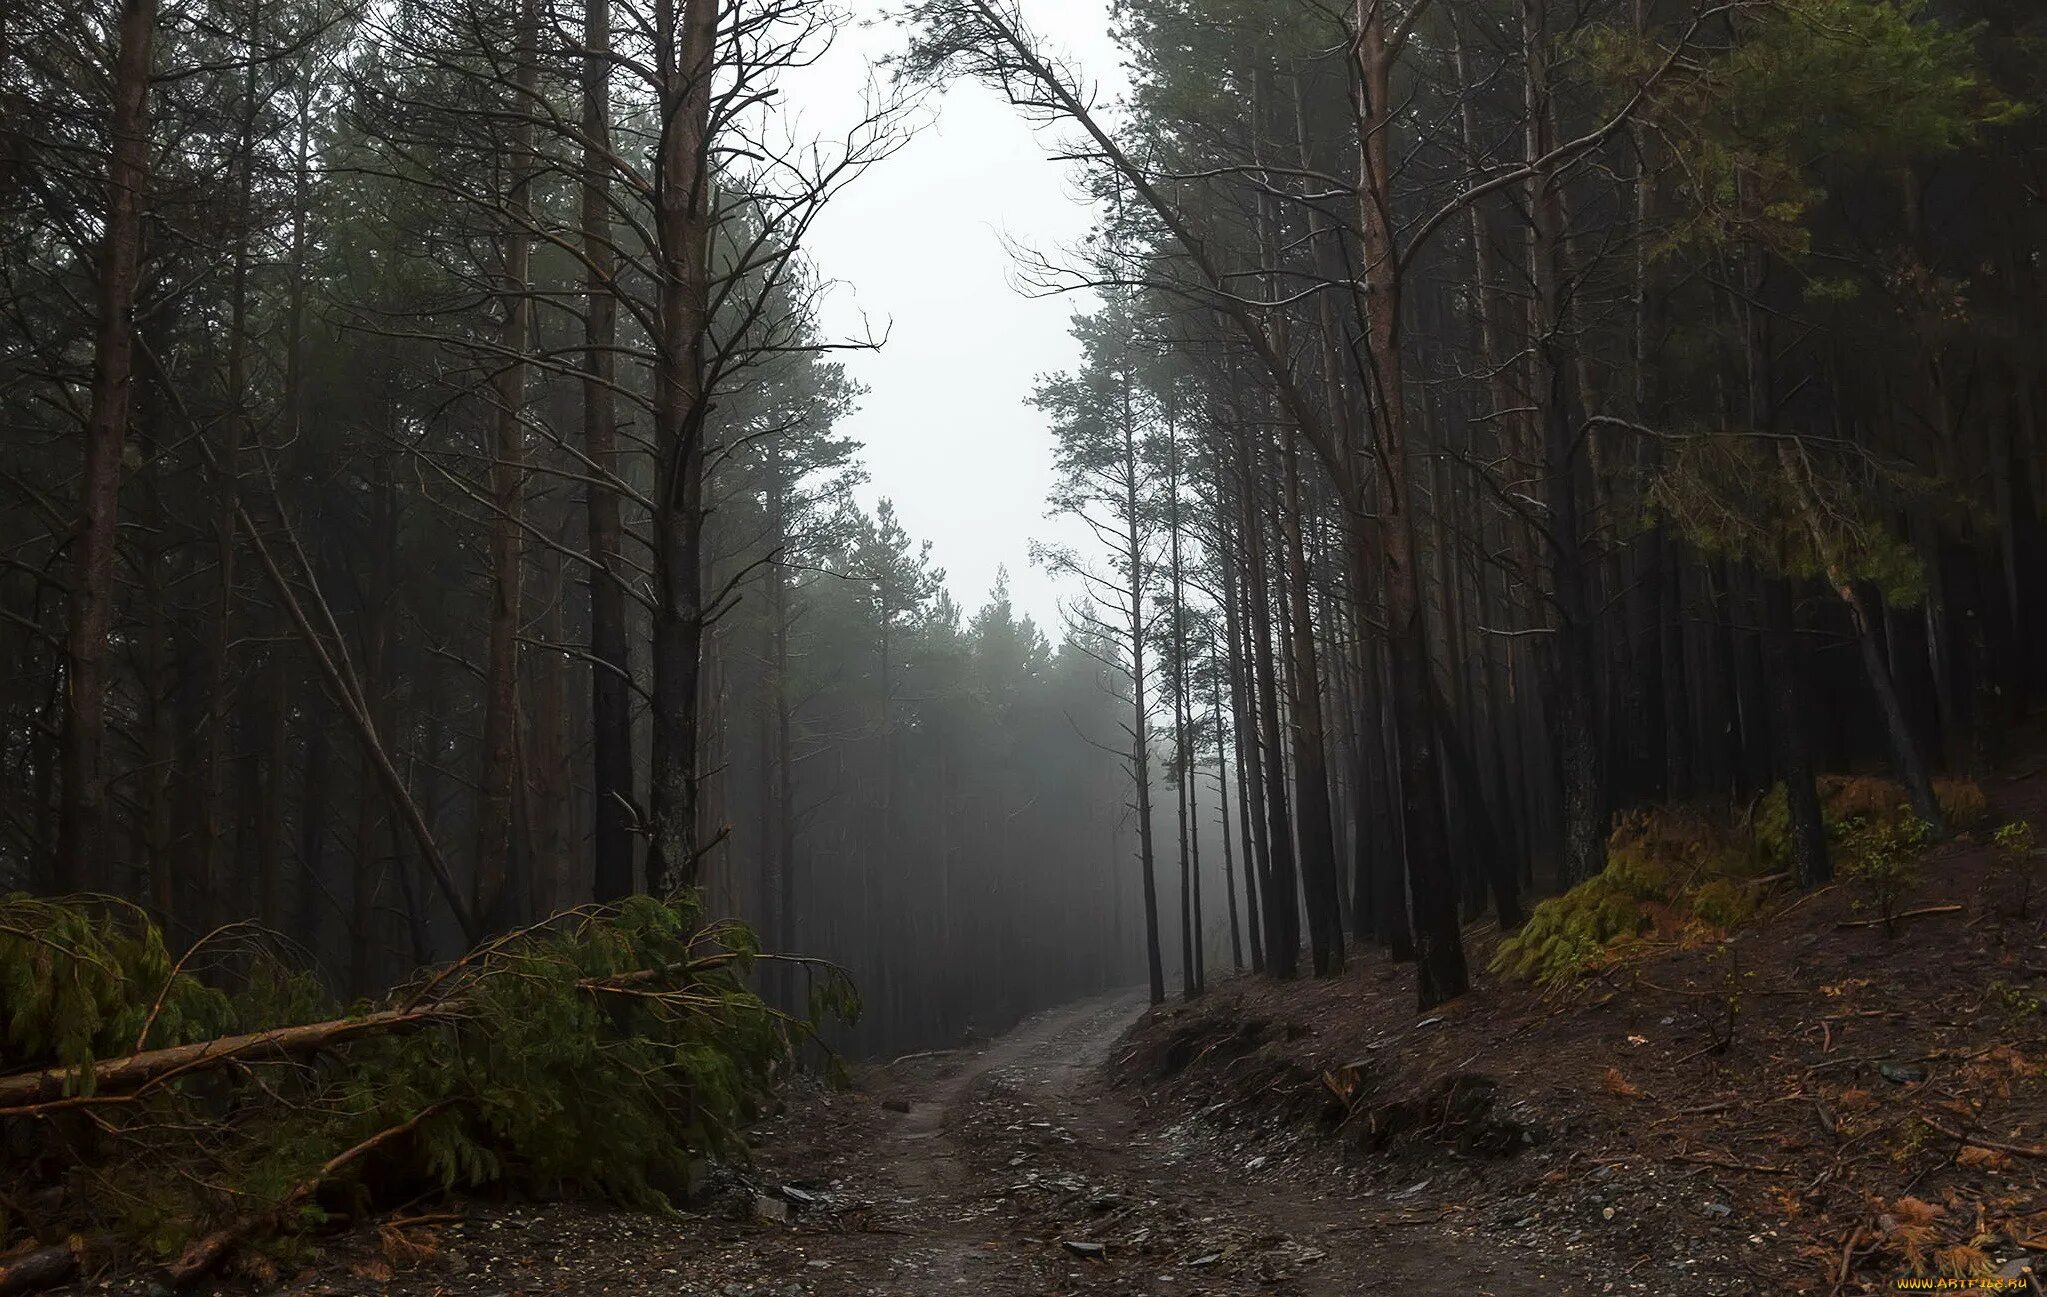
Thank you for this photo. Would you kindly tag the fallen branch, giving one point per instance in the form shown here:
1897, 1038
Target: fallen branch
1847, 1265
31, 1094
2016, 1150
198, 1260
922, 1053
1899, 918
246, 1132
119, 1080
1725, 1164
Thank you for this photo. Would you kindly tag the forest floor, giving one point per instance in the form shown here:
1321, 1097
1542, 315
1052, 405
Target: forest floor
1816, 1108
1811, 1107
1016, 1170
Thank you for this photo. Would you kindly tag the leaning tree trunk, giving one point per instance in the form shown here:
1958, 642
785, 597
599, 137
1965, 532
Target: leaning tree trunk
1912, 769
1865, 614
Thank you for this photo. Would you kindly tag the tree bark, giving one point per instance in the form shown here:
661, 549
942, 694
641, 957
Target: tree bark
82, 816
1222, 788
1572, 660
47, 1267
1140, 723
611, 732
1251, 831
494, 799
1183, 750
548, 780
1311, 760
1431, 891
1794, 758
1281, 889
686, 40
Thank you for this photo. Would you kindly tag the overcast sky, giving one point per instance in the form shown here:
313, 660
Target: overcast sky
916, 245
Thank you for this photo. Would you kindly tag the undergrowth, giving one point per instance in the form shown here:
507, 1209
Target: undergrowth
1678, 875
1858, 807
2015, 857
603, 1052
1673, 874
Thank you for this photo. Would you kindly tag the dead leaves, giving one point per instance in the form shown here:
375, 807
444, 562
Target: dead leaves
1962, 1261
1619, 1086
1999, 1068
1908, 1230
1982, 1159
1344, 1083
1855, 1099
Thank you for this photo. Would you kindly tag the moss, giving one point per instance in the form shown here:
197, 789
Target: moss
1723, 904
1673, 873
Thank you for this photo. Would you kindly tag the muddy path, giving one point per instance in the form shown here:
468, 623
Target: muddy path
1012, 1170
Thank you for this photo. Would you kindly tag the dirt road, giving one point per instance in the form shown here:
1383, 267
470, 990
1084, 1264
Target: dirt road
1011, 1171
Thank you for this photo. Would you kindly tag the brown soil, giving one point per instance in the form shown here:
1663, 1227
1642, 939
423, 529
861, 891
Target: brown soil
1014, 1171
1795, 1113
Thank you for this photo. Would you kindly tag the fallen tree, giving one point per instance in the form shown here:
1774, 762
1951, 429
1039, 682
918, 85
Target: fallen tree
123, 1079
118, 1080
603, 1051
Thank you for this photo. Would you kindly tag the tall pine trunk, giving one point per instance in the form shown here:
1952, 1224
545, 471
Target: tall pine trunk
686, 40
611, 735
1431, 889
495, 793
82, 815
1311, 761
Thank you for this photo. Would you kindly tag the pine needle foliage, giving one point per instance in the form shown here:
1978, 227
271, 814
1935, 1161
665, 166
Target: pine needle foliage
603, 1052
1798, 93
90, 978
1804, 508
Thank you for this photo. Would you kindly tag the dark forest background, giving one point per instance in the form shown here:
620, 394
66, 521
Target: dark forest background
424, 507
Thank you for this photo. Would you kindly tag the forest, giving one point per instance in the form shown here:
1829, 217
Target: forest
455, 658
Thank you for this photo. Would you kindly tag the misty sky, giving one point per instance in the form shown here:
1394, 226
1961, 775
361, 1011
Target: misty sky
917, 246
